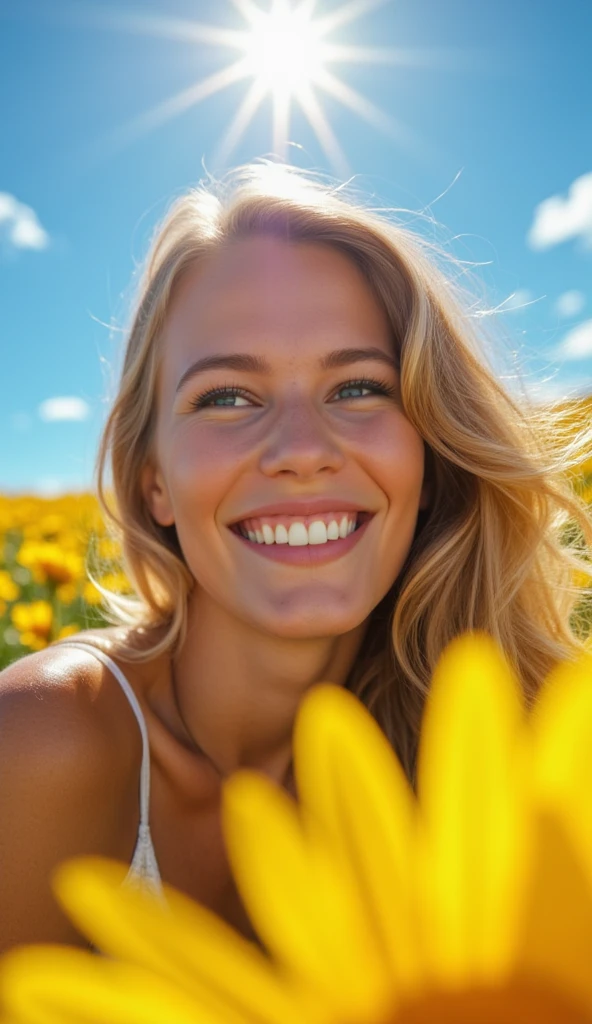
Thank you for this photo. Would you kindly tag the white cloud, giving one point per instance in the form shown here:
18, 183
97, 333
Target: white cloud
557, 218
64, 409
20, 225
570, 304
577, 343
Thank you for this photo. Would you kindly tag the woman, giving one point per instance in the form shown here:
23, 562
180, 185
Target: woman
317, 477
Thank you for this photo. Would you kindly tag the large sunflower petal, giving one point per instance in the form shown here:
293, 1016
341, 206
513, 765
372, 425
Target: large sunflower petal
352, 786
53, 985
562, 728
182, 942
555, 941
476, 826
302, 906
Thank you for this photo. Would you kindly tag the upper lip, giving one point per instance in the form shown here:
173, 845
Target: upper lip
309, 507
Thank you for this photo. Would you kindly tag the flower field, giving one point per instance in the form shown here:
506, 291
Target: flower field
47, 544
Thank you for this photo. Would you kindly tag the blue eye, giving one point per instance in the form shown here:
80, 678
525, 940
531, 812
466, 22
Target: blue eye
208, 399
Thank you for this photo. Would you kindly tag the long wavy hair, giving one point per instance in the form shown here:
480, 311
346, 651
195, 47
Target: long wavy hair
490, 553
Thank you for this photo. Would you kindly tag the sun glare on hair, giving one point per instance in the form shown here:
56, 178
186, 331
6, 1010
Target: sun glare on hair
282, 54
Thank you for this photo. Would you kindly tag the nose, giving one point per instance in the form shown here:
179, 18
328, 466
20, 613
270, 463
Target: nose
301, 443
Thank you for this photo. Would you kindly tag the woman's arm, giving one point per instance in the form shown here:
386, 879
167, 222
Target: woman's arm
64, 790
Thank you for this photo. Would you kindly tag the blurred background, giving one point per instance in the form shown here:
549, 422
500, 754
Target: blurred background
472, 120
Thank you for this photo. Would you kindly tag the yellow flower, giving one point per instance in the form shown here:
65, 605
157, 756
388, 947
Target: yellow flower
34, 622
471, 905
68, 630
109, 549
66, 593
9, 590
90, 594
116, 582
49, 561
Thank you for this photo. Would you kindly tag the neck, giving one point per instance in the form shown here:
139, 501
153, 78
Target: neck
238, 690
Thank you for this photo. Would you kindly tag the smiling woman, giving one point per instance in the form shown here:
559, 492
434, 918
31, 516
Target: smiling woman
316, 477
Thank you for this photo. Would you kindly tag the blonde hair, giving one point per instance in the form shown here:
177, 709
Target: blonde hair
489, 553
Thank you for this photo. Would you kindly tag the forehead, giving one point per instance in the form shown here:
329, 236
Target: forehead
263, 290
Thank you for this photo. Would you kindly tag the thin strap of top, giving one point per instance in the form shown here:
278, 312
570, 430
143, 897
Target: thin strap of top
145, 771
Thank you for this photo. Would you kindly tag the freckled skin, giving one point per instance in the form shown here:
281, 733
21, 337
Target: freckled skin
294, 434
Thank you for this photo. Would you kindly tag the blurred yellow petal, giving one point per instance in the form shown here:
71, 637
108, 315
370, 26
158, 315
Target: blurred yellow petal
555, 940
494, 866
562, 727
350, 782
53, 985
181, 941
476, 824
300, 903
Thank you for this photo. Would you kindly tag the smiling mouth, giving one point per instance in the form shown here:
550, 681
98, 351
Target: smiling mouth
312, 531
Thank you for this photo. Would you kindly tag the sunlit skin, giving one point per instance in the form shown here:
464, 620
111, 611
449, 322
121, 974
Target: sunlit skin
262, 632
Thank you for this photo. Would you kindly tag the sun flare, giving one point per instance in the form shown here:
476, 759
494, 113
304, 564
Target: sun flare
283, 56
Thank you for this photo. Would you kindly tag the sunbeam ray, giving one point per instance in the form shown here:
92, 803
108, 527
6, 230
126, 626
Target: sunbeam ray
349, 12
240, 122
306, 8
323, 130
449, 59
355, 101
176, 104
370, 112
250, 11
281, 121
156, 25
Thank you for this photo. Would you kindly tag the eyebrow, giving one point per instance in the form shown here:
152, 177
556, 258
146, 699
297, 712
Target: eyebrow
249, 363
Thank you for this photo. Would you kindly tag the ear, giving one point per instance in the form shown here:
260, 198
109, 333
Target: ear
156, 495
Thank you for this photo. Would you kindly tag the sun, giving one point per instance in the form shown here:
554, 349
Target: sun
283, 55
285, 50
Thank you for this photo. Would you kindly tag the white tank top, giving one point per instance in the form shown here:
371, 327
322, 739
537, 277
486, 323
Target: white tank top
143, 872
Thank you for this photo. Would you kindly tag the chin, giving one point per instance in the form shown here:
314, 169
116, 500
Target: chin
313, 623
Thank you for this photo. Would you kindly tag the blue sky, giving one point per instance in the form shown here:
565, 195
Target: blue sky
490, 107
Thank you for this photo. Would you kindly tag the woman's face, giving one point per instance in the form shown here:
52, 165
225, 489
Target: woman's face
289, 427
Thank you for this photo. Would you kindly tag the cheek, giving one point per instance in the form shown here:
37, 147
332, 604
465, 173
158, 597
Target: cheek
394, 456
200, 470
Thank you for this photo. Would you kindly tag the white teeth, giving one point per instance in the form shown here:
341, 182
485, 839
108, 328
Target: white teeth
268, 534
317, 532
297, 535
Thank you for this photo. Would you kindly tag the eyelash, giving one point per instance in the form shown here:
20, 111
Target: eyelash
203, 400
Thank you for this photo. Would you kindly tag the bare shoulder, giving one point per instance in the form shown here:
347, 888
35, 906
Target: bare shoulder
64, 700
70, 753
